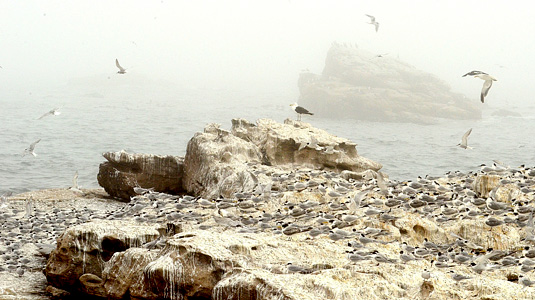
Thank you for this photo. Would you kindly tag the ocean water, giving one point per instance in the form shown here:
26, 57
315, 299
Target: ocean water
162, 122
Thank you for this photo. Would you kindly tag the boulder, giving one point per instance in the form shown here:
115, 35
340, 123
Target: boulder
92, 285
219, 162
216, 163
300, 144
123, 171
360, 85
124, 270
83, 249
56, 294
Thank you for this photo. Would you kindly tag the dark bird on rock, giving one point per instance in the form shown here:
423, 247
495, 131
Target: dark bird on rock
300, 110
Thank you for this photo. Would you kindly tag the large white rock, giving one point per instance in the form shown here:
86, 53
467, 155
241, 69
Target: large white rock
220, 162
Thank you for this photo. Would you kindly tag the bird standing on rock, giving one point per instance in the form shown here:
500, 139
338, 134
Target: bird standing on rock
300, 111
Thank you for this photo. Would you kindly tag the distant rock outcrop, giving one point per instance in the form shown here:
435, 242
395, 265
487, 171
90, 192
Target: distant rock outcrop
505, 113
123, 171
357, 84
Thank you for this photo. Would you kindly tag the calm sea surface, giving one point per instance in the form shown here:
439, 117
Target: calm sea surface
160, 122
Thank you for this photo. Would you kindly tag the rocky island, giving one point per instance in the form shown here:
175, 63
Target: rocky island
271, 211
364, 86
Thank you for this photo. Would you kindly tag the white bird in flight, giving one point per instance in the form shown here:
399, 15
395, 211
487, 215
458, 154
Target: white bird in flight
30, 149
373, 22
53, 112
121, 69
464, 140
486, 85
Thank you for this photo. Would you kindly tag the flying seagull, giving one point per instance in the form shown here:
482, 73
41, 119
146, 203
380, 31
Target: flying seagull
486, 85
464, 141
373, 22
30, 149
53, 112
300, 110
121, 69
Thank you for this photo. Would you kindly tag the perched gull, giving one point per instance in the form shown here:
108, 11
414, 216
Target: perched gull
3, 199
486, 85
28, 207
53, 112
121, 69
75, 187
464, 141
300, 110
30, 149
373, 22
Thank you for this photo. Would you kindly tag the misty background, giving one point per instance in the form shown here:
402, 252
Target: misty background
190, 63
262, 44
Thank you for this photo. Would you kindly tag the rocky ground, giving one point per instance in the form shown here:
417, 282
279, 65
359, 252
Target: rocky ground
30, 224
339, 242
278, 231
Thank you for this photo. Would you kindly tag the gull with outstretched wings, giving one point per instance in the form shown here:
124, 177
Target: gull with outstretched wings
30, 150
464, 140
486, 85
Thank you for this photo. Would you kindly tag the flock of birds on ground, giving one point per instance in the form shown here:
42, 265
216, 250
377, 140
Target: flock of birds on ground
341, 209
36, 223
349, 204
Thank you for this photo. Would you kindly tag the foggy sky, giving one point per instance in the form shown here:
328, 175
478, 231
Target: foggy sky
263, 44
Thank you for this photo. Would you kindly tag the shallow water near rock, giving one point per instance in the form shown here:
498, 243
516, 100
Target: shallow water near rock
163, 123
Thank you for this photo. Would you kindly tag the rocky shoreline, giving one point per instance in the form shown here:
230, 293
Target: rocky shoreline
275, 211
